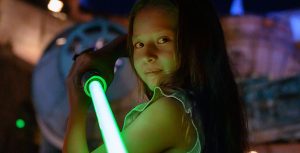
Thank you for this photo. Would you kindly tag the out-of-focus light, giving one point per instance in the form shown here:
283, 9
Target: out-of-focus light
99, 43
61, 41
295, 24
118, 65
253, 152
55, 5
237, 7
20, 123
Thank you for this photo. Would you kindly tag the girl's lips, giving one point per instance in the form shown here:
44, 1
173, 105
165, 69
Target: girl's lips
153, 71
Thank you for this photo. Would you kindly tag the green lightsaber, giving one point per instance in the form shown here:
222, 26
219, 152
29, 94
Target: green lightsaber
95, 87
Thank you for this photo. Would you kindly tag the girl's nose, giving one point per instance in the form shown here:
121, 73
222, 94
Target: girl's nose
151, 54
150, 59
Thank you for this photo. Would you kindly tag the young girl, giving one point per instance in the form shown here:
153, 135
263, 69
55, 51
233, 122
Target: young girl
177, 50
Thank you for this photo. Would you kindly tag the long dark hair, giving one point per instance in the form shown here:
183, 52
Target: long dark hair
205, 72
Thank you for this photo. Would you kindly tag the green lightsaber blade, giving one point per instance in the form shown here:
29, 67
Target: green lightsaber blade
107, 123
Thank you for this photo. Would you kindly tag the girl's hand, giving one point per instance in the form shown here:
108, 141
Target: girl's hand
102, 61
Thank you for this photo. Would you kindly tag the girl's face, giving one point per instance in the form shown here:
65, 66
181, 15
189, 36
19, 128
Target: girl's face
154, 42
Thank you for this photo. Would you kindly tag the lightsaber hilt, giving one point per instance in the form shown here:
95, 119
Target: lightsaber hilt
95, 86
91, 76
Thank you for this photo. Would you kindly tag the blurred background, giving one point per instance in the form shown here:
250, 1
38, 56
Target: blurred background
39, 37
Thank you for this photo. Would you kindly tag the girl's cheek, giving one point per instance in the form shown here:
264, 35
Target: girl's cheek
136, 65
137, 59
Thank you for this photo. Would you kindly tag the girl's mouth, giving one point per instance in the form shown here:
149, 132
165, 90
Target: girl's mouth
153, 71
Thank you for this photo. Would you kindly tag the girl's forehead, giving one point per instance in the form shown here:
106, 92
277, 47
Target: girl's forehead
154, 17
156, 10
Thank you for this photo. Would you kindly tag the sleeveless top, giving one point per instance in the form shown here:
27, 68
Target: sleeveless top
180, 96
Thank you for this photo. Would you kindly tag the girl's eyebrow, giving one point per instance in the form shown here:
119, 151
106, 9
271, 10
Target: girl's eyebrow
164, 32
134, 36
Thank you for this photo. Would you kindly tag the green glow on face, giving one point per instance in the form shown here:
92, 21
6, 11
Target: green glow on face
20, 123
107, 123
94, 78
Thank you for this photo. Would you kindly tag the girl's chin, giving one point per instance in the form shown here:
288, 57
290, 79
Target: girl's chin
151, 83
151, 86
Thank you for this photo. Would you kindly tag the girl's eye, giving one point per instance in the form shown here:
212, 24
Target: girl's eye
139, 45
163, 40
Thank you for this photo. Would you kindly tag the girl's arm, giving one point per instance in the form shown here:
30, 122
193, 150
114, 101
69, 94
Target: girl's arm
75, 138
102, 60
157, 129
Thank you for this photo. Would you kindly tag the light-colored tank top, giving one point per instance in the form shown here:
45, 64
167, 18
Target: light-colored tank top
180, 96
